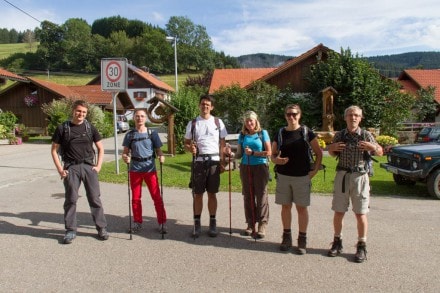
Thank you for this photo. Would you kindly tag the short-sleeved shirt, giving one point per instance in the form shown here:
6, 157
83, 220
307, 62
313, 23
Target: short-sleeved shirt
296, 149
206, 135
80, 146
142, 145
352, 156
255, 143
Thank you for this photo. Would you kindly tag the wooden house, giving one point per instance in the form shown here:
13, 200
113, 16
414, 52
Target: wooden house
292, 73
25, 97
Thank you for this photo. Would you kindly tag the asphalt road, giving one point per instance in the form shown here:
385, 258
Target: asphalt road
403, 252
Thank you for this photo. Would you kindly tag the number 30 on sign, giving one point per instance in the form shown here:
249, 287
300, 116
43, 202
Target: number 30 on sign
114, 74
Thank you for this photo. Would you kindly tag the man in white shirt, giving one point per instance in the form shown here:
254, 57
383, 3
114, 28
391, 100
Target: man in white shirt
205, 139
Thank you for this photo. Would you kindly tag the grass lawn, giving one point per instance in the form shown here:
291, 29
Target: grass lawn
7, 49
177, 170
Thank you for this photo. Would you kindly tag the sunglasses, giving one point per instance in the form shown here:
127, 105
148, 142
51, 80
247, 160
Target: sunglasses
291, 114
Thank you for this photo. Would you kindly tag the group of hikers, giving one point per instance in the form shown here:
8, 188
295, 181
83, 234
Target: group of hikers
294, 150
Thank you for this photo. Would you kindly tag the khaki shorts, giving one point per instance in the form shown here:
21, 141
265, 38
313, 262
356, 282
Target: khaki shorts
292, 189
356, 189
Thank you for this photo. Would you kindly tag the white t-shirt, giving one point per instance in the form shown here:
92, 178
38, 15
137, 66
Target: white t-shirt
206, 135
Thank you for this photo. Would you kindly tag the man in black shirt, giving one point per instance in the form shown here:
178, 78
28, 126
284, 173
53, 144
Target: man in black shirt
74, 141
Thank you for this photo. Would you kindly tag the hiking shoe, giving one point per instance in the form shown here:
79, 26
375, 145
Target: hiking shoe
69, 236
247, 231
163, 229
261, 230
336, 247
135, 228
212, 232
197, 228
287, 242
103, 234
302, 243
361, 252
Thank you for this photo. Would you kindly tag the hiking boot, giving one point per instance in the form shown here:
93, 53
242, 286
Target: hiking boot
212, 228
361, 252
163, 229
336, 247
261, 230
247, 231
302, 243
197, 228
69, 236
135, 228
103, 234
287, 242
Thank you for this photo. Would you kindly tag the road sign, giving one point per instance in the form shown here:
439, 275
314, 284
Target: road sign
114, 74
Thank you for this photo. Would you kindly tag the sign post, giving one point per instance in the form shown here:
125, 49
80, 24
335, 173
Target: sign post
114, 79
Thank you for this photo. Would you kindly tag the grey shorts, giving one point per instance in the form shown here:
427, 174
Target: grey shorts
354, 187
292, 189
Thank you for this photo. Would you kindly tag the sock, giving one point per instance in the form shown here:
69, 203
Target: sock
338, 236
362, 239
287, 231
196, 217
212, 216
302, 234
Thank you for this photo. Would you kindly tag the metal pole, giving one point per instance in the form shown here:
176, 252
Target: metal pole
175, 63
115, 128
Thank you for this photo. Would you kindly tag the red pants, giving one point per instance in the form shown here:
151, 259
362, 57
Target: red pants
152, 182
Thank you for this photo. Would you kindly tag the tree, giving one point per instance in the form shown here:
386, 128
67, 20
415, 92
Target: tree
194, 46
426, 105
77, 42
357, 83
108, 25
29, 38
187, 101
51, 51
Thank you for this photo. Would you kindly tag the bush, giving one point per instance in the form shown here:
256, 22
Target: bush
8, 120
59, 111
385, 140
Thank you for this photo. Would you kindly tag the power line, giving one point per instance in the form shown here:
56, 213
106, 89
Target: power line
21, 10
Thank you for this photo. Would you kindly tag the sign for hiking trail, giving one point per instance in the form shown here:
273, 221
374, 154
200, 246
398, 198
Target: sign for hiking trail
114, 74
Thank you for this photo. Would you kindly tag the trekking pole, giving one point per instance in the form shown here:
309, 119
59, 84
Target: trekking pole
161, 196
193, 193
129, 201
230, 208
251, 198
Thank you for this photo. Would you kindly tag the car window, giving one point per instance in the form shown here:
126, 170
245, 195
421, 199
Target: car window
424, 131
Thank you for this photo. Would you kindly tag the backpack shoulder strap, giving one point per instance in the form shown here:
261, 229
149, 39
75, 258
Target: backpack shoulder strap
193, 128
280, 138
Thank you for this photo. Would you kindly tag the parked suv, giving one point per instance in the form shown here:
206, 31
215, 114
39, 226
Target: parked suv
122, 123
428, 134
416, 163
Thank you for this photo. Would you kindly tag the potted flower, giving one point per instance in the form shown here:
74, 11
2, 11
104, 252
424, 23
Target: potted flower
31, 100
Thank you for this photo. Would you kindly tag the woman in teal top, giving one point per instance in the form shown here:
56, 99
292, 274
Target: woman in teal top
254, 147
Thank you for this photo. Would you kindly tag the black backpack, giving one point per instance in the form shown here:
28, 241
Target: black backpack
65, 138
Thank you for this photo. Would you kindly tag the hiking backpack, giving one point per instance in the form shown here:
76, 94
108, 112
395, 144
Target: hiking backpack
65, 138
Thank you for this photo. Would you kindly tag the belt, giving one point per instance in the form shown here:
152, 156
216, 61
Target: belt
205, 156
138, 159
352, 170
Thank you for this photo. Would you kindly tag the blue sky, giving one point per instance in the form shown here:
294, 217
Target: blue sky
285, 27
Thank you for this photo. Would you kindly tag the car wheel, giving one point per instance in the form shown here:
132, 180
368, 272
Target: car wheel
400, 180
433, 184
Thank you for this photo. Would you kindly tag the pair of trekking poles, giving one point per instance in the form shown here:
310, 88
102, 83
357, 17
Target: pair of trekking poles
129, 200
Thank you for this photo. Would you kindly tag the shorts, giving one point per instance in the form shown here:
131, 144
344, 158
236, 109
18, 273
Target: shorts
291, 189
206, 176
356, 188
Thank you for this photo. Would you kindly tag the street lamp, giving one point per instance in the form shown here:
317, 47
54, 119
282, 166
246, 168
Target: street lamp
174, 39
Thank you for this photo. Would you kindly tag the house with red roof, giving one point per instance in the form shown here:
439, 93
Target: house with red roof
412, 80
26, 95
292, 73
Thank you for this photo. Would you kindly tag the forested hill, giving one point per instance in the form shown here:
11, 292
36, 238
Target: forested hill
388, 65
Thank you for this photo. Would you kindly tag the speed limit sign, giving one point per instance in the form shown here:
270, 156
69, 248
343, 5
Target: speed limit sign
114, 74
